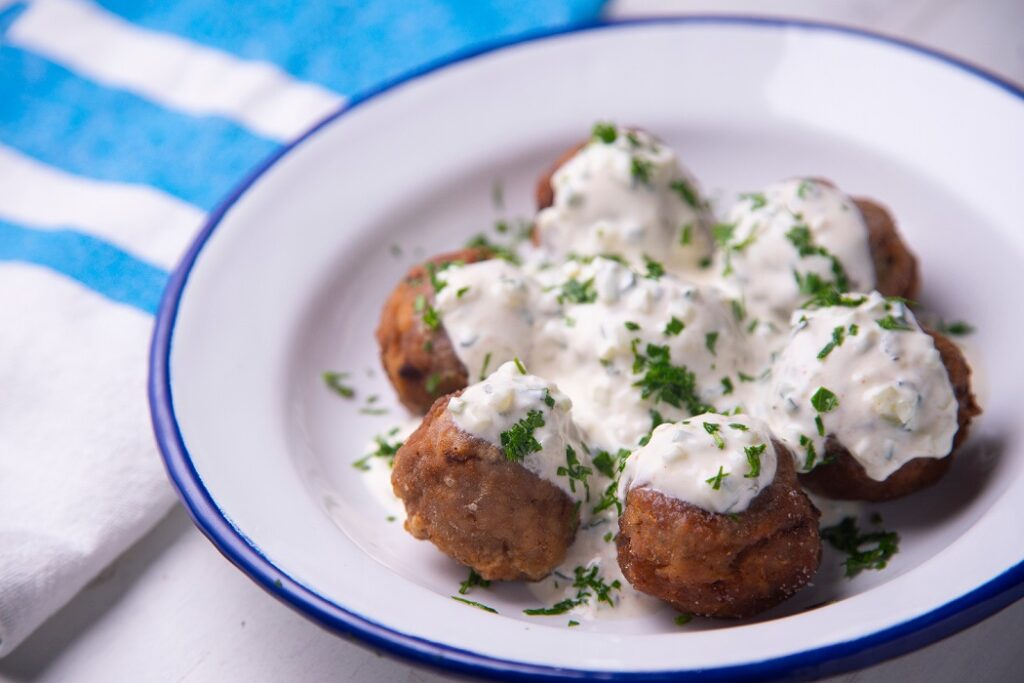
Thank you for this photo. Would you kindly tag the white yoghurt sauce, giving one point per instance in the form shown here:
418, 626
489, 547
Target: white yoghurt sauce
716, 462
893, 400
630, 197
597, 329
772, 240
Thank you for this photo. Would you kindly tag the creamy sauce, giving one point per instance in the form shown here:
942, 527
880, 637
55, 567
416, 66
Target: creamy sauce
628, 197
622, 322
892, 398
716, 462
776, 236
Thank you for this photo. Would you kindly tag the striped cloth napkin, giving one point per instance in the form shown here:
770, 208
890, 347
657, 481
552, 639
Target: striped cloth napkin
122, 123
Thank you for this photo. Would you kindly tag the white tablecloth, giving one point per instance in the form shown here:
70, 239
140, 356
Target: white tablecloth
172, 609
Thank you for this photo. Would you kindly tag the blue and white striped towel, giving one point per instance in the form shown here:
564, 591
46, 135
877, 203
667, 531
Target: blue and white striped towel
122, 122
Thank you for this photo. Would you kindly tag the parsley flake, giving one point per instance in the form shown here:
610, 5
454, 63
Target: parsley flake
518, 441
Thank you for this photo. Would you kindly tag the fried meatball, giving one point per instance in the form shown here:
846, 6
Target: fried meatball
492, 515
844, 478
545, 192
721, 565
896, 272
412, 353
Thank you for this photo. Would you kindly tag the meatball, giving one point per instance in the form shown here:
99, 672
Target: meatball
545, 192
492, 515
896, 271
419, 360
721, 565
843, 477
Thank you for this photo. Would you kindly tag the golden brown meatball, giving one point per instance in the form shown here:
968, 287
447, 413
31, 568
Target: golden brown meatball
721, 565
490, 514
419, 360
843, 477
895, 266
545, 191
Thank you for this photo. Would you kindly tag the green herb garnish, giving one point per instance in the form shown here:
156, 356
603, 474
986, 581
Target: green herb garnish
713, 429
476, 604
576, 292
716, 481
847, 538
686, 192
753, 454
824, 401
518, 441
654, 269
710, 340
672, 384
472, 581
575, 471
605, 132
838, 336
674, 327
333, 380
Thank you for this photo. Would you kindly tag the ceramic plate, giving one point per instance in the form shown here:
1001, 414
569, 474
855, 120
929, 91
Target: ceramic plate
288, 278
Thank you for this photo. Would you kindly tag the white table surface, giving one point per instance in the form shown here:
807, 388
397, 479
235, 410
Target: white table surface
172, 609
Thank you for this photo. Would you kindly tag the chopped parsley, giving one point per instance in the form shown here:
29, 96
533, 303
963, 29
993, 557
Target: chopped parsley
461, 292
654, 269
713, 429
811, 453
716, 481
483, 370
838, 336
610, 466
432, 383
722, 232
473, 603
632, 326
656, 419
824, 401
334, 382
820, 425
640, 170
727, 386
605, 132
744, 377
757, 200
386, 449
871, 550
431, 318
738, 427
519, 365
674, 327
753, 454
575, 471
686, 236
472, 581
432, 270
683, 619
710, 340
573, 622
588, 584
828, 295
803, 188
957, 328
686, 192
662, 381
811, 283
894, 323
738, 310
518, 441
576, 292
481, 241
549, 400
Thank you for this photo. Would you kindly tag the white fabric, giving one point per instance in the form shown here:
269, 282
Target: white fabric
143, 220
80, 479
171, 71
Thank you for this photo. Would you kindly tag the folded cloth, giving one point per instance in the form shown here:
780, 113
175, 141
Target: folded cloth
122, 122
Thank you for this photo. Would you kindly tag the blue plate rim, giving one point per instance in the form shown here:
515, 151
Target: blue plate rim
893, 641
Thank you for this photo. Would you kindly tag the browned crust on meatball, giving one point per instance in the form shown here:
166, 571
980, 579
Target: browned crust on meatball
461, 494
721, 565
844, 478
545, 190
896, 272
410, 351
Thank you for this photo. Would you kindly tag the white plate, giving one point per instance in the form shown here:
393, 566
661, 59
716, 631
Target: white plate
287, 280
